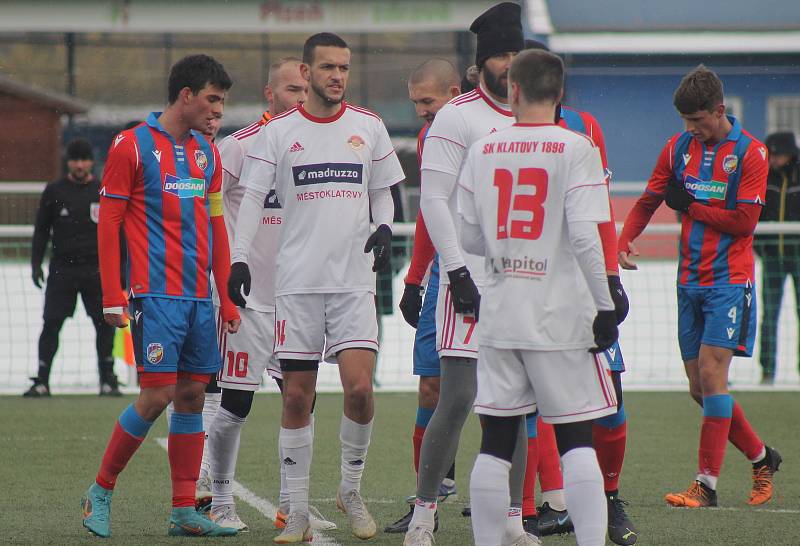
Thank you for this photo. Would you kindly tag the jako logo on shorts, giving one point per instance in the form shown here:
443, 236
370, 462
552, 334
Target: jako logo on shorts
705, 191
184, 188
155, 353
324, 173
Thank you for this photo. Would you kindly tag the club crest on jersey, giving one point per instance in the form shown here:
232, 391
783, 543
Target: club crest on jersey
729, 163
155, 353
94, 212
705, 190
324, 173
184, 188
356, 142
200, 159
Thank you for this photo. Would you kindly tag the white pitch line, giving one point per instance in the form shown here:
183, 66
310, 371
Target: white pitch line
767, 510
264, 506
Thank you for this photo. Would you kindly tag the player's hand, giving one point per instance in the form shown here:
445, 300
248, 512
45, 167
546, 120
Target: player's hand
37, 275
380, 243
116, 320
411, 304
231, 326
240, 278
465, 296
677, 197
621, 305
605, 331
625, 258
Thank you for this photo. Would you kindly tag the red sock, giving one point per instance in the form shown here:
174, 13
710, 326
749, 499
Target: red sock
185, 455
713, 441
419, 432
121, 447
743, 436
529, 486
550, 477
609, 443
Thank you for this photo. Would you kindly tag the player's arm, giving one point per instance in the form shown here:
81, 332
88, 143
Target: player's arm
258, 178
470, 230
41, 234
643, 210
119, 177
585, 207
422, 253
221, 258
741, 221
379, 242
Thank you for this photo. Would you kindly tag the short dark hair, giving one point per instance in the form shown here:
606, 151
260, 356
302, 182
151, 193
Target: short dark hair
700, 89
321, 39
195, 72
79, 148
539, 74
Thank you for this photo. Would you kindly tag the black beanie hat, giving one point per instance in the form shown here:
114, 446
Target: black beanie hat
79, 148
499, 29
782, 143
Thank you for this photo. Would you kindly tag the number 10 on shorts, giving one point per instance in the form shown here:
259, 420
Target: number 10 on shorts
237, 364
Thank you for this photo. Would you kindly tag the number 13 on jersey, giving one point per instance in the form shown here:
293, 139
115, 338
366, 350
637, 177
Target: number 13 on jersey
527, 208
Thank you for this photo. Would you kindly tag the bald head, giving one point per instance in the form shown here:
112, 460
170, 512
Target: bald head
285, 86
431, 85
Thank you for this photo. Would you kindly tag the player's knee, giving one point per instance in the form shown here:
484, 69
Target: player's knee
296, 401
463, 396
428, 392
571, 436
237, 402
499, 437
189, 397
358, 394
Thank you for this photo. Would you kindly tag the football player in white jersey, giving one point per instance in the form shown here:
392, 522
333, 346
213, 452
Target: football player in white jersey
530, 199
330, 164
457, 125
246, 355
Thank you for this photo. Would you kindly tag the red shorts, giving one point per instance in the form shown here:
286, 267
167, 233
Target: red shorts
162, 379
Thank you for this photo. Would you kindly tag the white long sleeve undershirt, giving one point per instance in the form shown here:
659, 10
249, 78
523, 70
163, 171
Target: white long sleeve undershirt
585, 240
437, 188
250, 211
381, 205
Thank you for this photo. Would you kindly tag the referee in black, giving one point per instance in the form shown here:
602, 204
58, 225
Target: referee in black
68, 213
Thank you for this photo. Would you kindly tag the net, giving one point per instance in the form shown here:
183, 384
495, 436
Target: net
648, 336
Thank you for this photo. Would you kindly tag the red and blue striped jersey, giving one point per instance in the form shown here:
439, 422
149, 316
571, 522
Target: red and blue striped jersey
732, 171
173, 190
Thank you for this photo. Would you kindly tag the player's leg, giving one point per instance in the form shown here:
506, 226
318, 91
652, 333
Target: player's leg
60, 297
489, 481
213, 396
529, 519
609, 436
552, 515
91, 294
515, 532
773, 278
566, 384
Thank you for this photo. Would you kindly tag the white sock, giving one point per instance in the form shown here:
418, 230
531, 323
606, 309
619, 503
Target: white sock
423, 516
489, 496
355, 441
709, 480
514, 528
761, 455
555, 498
223, 450
170, 411
586, 500
283, 495
210, 407
297, 445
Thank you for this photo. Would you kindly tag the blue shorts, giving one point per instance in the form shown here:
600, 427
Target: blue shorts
719, 317
171, 335
426, 359
613, 356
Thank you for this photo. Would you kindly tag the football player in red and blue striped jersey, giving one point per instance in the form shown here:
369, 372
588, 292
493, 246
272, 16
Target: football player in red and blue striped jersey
162, 186
715, 175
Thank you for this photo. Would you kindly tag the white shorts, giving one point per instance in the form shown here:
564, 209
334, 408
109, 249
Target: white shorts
313, 326
456, 334
248, 352
567, 386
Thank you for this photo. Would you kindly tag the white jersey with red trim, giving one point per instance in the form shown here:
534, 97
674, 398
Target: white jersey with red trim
461, 122
523, 186
322, 170
232, 151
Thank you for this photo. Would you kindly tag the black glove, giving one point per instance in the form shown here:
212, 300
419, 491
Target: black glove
411, 304
605, 331
464, 293
240, 278
621, 305
380, 243
37, 275
677, 197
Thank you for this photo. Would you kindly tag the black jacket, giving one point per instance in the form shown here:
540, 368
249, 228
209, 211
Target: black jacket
68, 212
782, 204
